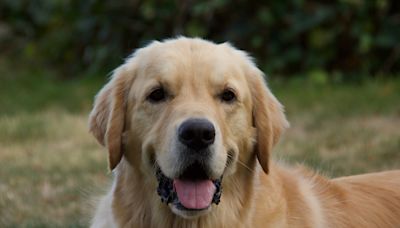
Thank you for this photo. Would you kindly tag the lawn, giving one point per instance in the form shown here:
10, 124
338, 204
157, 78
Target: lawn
50, 166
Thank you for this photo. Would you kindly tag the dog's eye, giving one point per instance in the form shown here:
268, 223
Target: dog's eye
228, 96
157, 95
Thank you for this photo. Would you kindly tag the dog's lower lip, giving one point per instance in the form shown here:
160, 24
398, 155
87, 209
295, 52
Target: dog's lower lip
183, 208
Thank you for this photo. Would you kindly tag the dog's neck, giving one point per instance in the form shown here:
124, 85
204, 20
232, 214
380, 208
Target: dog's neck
136, 203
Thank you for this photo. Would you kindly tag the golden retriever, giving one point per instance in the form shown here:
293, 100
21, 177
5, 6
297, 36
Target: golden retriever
189, 126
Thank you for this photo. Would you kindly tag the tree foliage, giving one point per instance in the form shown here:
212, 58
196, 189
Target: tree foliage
356, 37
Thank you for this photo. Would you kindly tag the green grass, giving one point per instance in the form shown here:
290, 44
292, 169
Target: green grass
50, 165
341, 129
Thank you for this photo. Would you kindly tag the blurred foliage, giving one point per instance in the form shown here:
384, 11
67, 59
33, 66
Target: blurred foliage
343, 38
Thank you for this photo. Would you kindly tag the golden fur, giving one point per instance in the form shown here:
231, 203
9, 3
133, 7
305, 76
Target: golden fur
256, 191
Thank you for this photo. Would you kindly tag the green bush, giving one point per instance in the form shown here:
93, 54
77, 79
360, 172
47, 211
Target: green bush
345, 37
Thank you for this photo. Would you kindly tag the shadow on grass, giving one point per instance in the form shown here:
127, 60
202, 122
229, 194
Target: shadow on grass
35, 90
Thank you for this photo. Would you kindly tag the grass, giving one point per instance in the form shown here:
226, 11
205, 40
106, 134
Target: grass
342, 129
50, 165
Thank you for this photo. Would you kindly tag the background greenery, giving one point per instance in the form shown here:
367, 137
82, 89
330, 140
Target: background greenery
334, 66
345, 38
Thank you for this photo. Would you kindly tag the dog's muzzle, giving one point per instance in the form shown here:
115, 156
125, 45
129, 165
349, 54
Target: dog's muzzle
192, 189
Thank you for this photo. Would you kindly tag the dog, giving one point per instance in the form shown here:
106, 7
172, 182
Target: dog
189, 126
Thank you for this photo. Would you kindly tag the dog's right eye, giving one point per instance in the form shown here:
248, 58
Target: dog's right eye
157, 95
228, 96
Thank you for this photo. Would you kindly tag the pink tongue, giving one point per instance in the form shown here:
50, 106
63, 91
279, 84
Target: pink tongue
195, 194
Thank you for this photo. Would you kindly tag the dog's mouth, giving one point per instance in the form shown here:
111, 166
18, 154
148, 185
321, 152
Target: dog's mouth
193, 190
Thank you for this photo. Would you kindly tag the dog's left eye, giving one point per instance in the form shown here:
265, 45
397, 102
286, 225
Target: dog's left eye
157, 95
228, 96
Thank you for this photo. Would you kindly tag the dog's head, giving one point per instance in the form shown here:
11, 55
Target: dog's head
186, 112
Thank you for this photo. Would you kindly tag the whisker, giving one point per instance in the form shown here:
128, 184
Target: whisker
241, 163
244, 165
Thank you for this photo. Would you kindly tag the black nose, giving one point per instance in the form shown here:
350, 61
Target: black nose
196, 134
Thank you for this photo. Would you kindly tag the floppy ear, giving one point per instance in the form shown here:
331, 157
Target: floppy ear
107, 118
268, 118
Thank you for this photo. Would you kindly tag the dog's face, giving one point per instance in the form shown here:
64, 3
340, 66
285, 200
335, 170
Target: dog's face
186, 113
